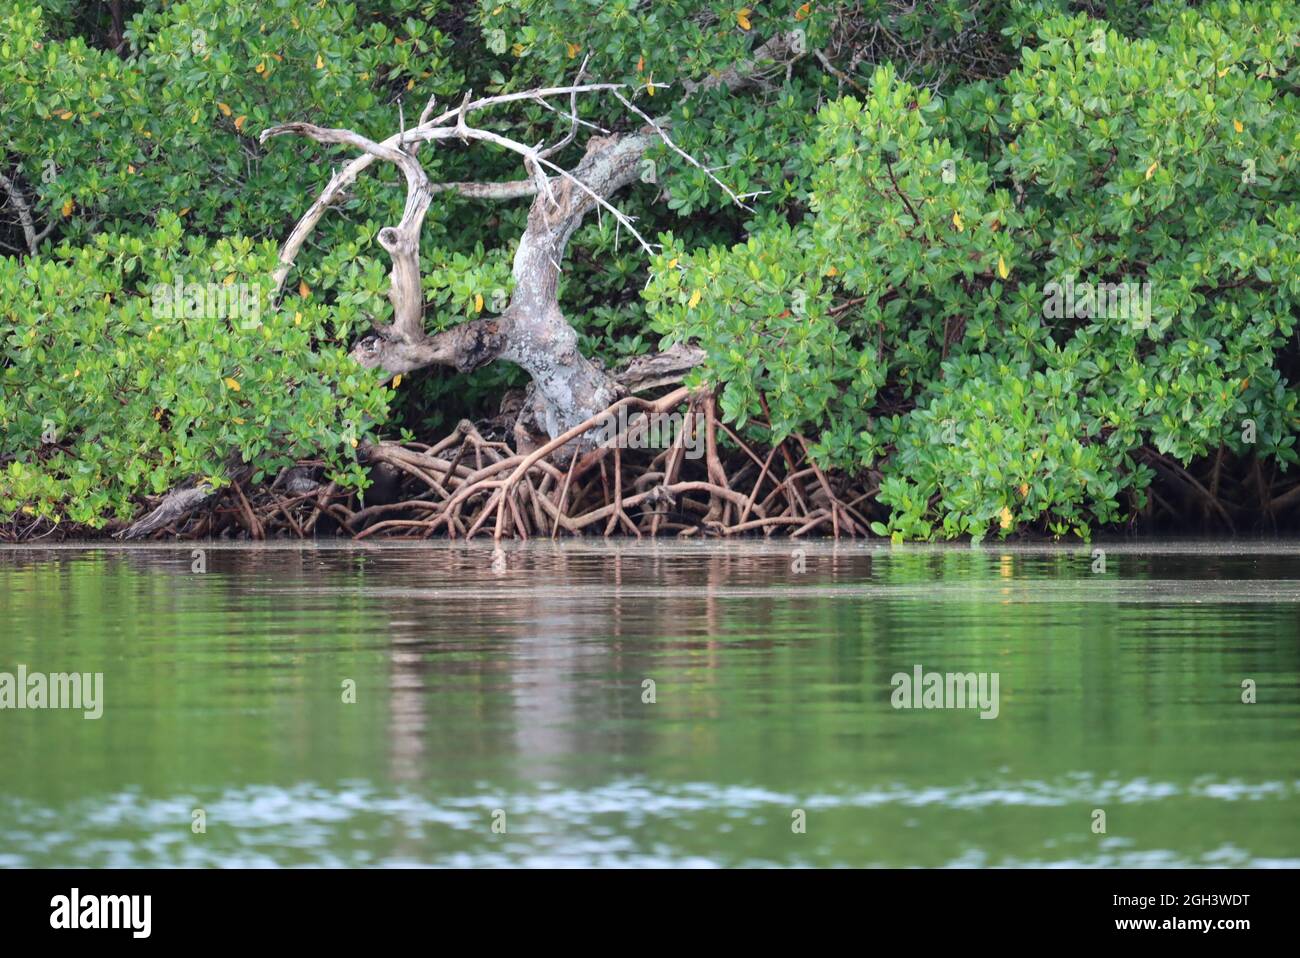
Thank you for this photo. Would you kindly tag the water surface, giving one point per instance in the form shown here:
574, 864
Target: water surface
517, 696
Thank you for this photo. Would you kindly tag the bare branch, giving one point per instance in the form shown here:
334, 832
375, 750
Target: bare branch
401, 241
513, 190
663, 135
573, 114
341, 180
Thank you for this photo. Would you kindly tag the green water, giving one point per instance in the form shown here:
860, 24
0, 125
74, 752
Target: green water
515, 696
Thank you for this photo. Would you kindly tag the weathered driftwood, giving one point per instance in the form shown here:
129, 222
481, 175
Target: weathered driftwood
179, 503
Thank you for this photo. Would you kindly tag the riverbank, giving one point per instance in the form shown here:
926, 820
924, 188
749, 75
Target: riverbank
693, 477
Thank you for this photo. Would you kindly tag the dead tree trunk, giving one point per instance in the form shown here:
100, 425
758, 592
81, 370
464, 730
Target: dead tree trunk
532, 331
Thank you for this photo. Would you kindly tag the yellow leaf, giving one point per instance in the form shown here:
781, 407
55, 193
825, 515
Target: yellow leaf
239, 122
517, 49
573, 50
320, 62
397, 380
237, 421
694, 300
410, 84
1223, 73
1152, 169
303, 289
1004, 518
478, 302
650, 86
278, 58
1024, 490
1236, 125
1002, 268
224, 108
832, 271
742, 18
802, 12
65, 114
672, 263
354, 443
230, 279
231, 383
297, 319
956, 221
183, 212
67, 208
260, 68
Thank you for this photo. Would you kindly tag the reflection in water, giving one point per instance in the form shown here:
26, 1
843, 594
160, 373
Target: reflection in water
522, 690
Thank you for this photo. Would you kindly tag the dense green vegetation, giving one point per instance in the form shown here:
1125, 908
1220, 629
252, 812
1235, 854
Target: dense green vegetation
927, 176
